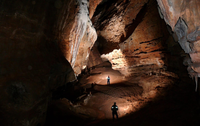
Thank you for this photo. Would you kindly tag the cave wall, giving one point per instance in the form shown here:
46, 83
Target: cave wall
44, 45
32, 65
146, 45
183, 18
76, 34
92, 6
131, 33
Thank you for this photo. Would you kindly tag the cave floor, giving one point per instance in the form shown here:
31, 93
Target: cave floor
146, 98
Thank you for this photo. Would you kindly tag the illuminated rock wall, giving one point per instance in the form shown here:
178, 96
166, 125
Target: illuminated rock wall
78, 35
132, 35
183, 17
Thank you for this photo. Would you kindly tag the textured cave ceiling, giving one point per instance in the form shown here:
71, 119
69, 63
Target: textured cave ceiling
46, 45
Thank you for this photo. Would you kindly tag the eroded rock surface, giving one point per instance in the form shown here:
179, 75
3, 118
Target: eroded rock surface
77, 35
131, 33
183, 17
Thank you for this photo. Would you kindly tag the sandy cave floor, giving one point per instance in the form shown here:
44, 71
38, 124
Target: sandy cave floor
146, 98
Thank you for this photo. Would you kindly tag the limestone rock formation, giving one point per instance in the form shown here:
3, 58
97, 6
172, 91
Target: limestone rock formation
183, 17
76, 35
92, 6
131, 34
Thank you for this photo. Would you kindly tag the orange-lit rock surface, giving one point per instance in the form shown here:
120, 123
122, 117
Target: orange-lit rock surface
145, 46
77, 35
92, 6
116, 23
183, 17
135, 36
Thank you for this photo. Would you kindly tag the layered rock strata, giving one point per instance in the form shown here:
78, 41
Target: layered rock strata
131, 34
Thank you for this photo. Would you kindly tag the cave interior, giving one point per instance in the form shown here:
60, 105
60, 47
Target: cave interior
56, 57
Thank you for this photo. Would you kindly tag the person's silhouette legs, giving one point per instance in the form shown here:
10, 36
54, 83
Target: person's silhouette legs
115, 114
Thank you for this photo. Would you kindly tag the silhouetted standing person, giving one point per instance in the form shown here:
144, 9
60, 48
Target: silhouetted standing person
114, 110
108, 80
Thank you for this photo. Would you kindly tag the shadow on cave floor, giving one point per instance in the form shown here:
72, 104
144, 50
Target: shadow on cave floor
143, 99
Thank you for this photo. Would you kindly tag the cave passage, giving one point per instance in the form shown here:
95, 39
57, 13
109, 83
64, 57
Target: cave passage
146, 84
148, 87
56, 56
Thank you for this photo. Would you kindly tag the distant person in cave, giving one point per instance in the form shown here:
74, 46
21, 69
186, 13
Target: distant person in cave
114, 109
108, 80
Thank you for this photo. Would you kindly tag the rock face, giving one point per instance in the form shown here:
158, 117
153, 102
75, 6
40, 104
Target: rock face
131, 34
183, 17
92, 6
43, 45
76, 35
